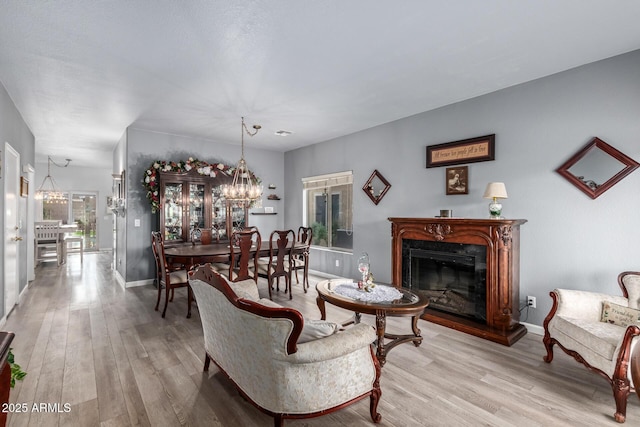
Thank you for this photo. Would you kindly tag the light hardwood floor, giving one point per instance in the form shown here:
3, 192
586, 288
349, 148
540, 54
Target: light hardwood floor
86, 342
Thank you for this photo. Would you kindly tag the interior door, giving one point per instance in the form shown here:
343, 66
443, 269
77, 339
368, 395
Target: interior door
29, 223
11, 172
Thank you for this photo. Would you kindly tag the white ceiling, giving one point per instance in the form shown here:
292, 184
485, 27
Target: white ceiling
81, 72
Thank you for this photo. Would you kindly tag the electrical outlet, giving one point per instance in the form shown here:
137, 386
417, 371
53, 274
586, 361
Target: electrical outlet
337, 263
531, 301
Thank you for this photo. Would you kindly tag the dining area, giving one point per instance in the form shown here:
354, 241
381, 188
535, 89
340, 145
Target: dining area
245, 256
54, 241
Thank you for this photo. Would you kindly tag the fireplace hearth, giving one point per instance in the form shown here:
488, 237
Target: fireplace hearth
469, 269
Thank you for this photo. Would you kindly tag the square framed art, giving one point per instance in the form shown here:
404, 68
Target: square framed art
457, 180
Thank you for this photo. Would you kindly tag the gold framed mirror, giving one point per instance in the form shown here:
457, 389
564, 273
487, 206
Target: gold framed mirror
376, 187
596, 168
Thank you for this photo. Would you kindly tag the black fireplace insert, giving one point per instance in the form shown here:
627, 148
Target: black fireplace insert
451, 275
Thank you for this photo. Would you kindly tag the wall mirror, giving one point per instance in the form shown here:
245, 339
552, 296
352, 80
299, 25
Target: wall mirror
376, 187
596, 168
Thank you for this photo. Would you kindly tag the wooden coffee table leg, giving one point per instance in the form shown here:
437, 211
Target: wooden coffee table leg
416, 331
320, 302
381, 325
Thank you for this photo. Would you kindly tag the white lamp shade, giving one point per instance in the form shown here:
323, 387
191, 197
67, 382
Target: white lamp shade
495, 189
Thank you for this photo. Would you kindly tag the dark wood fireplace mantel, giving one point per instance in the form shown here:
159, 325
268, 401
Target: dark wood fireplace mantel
502, 240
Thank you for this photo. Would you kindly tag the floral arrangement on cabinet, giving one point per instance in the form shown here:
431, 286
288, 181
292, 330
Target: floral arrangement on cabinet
151, 180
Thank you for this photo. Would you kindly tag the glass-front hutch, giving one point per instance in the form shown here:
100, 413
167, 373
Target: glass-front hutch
190, 200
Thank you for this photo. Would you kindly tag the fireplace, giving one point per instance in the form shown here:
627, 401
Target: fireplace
451, 275
469, 269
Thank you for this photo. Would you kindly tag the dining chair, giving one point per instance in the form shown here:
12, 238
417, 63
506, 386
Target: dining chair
278, 264
168, 277
72, 244
47, 241
156, 235
300, 257
244, 252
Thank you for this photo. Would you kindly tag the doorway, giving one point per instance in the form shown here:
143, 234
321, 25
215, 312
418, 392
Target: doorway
83, 213
77, 207
12, 238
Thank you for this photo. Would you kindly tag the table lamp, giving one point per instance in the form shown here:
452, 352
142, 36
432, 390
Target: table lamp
495, 191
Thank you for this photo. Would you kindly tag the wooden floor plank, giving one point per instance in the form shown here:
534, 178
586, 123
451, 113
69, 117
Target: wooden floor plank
105, 351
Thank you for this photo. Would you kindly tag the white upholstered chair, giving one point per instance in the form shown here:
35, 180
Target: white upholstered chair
259, 345
575, 323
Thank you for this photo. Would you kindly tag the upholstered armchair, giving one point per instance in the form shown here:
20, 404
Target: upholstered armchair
599, 331
287, 366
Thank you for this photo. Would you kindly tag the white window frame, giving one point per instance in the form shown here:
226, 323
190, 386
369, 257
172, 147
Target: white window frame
328, 181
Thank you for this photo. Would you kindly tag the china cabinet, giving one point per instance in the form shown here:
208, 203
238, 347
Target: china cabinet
191, 200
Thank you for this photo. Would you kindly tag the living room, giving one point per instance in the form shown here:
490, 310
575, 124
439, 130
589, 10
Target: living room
568, 241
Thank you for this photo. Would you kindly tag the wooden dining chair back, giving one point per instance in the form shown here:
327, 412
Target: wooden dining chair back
155, 236
245, 248
47, 241
300, 257
278, 264
168, 277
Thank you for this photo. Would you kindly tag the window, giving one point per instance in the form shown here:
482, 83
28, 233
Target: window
76, 208
327, 209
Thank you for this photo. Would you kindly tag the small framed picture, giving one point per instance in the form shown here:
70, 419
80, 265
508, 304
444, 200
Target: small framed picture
268, 209
457, 180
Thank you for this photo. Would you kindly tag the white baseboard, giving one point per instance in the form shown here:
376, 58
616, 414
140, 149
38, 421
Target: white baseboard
126, 284
139, 283
324, 275
534, 329
24, 290
119, 279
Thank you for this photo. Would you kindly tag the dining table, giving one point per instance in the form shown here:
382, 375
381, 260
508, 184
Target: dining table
190, 254
64, 229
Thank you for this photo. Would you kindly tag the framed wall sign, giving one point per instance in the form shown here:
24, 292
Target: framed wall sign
457, 180
480, 149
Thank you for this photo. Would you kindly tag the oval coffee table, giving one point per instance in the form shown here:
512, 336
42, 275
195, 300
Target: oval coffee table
409, 304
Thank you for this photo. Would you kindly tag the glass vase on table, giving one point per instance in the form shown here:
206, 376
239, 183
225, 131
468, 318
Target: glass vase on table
363, 267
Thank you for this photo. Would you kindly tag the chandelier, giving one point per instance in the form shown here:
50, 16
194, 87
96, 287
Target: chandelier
48, 191
243, 189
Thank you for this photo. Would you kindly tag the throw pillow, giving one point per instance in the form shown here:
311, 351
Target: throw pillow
315, 329
619, 314
246, 289
267, 302
632, 283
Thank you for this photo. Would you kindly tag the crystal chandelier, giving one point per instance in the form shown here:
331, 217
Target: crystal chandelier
243, 189
48, 191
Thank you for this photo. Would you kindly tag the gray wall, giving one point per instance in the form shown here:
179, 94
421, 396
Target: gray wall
144, 147
15, 131
570, 240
